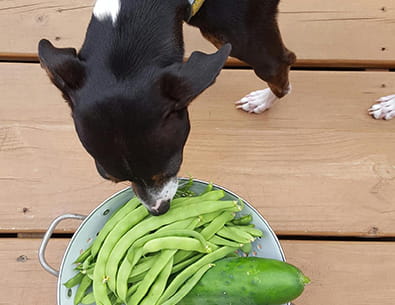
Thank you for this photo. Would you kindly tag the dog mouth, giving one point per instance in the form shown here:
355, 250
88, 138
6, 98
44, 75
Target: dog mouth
160, 207
156, 198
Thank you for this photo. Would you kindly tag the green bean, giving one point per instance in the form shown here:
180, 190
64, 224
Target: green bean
181, 255
184, 189
168, 233
117, 216
140, 269
219, 241
89, 272
87, 262
138, 272
243, 220
88, 299
247, 248
160, 263
75, 280
136, 251
181, 265
249, 230
124, 270
99, 276
242, 231
207, 218
82, 288
217, 224
136, 277
204, 219
176, 242
83, 255
192, 269
153, 240
241, 203
209, 196
188, 286
185, 232
239, 237
146, 226
183, 194
114, 299
182, 224
133, 289
208, 188
159, 285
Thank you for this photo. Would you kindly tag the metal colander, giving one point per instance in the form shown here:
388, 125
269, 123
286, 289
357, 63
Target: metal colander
267, 246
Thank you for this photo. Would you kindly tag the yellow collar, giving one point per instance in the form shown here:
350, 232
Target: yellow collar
195, 6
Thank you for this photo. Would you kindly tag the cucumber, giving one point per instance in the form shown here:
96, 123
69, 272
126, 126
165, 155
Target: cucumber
247, 281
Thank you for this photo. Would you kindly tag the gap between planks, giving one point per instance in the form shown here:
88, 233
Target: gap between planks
369, 65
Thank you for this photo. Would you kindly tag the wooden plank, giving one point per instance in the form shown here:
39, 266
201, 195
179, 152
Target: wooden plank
344, 272
322, 33
341, 272
316, 163
339, 30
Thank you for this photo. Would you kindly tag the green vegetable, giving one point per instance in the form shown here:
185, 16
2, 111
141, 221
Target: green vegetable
83, 255
144, 227
159, 286
88, 299
186, 288
160, 264
243, 220
118, 215
99, 277
82, 289
75, 280
140, 259
247, 281
180, 279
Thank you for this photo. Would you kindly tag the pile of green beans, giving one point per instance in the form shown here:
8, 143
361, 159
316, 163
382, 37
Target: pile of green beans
139, 259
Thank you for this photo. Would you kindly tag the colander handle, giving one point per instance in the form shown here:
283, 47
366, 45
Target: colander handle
47, 237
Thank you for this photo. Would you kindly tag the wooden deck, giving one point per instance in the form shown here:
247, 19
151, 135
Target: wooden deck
317, 166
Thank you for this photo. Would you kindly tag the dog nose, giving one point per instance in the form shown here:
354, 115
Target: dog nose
161, 207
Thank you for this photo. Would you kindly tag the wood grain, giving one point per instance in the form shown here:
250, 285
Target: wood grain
316, 163
322, 33
341, 272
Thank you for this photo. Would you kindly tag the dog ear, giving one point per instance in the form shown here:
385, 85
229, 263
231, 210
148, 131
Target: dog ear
186, 81
63, 66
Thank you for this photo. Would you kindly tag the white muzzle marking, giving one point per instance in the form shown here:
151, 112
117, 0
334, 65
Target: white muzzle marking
169, 190
104, 9
166, 193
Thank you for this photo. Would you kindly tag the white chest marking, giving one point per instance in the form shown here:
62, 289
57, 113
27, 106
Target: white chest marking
107, 9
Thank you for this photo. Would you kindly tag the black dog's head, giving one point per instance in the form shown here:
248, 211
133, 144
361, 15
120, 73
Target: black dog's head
135, 128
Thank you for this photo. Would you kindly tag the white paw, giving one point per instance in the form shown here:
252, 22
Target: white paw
257, 101
385, 109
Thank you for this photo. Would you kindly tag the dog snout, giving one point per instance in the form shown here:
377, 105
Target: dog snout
156, 198
160, 207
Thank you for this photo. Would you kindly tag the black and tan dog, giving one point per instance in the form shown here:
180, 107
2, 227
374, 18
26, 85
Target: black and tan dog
129, 89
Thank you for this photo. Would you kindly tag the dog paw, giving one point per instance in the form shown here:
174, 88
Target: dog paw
384, 109
257, 101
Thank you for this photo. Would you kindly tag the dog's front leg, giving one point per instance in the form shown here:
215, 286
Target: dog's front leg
260, 100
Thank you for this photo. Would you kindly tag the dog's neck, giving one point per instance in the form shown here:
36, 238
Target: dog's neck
127, 36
